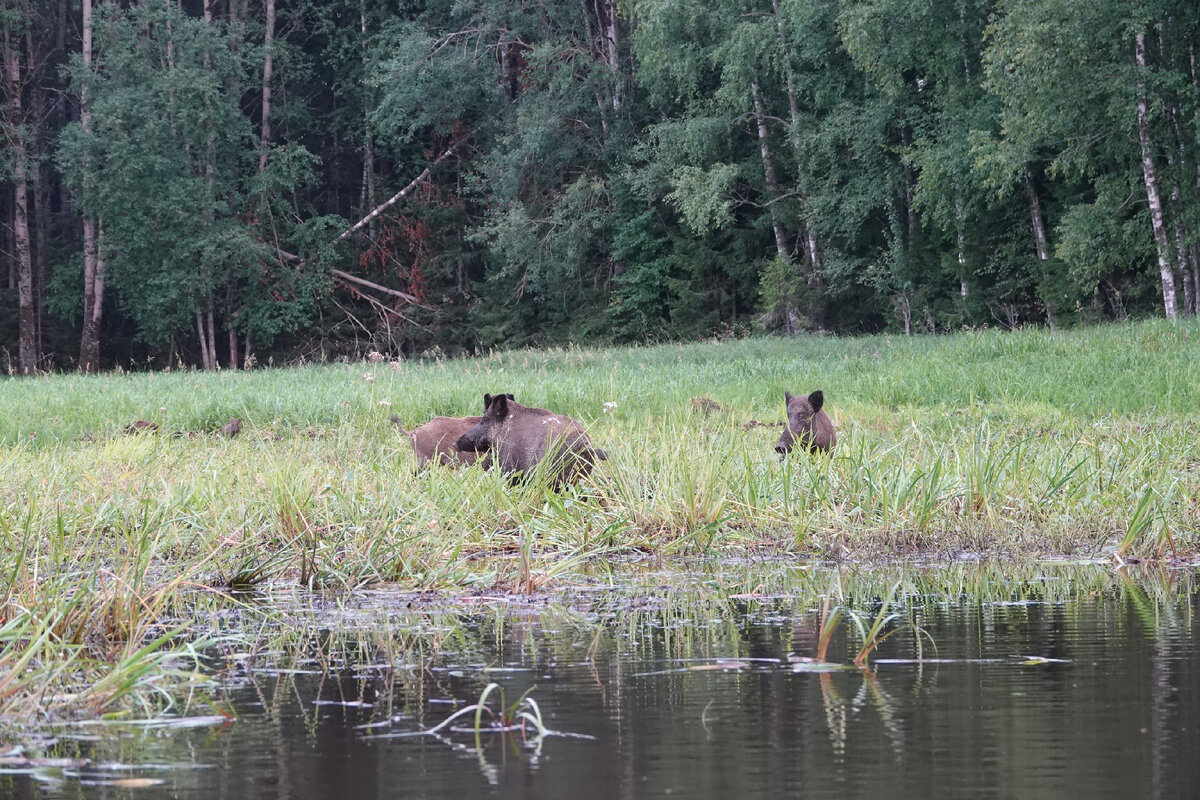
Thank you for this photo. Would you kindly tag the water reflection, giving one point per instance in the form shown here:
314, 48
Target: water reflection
1070, 682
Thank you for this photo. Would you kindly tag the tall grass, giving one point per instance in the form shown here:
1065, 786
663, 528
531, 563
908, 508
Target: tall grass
1019, 442
1032, 443
89, 628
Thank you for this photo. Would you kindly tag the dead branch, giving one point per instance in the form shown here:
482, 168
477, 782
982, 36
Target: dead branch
405, 296
398, 195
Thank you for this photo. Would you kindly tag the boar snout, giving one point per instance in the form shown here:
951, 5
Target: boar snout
469, 443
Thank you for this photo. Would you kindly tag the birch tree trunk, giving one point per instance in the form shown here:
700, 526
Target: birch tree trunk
204, 357
1179, 227
41, 203
98, 287
89, 344
1153, 197
210, 146
771, 182
93, 271
210, 175
19, 156
212, 337
812, 246
368, 176
1183, 253
612, 42
36, 46
231, 315
89, 359
264, 136
1040, 243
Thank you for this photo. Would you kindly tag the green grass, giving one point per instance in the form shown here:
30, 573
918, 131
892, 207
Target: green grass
1029, 442
1080, 443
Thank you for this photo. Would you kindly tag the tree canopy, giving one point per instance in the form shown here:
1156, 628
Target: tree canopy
219, 182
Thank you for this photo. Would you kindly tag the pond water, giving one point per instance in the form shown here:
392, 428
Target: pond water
1078, 686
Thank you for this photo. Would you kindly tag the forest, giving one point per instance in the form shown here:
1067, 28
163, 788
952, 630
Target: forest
228, 183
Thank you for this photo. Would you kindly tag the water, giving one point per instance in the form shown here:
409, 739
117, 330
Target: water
1086, 691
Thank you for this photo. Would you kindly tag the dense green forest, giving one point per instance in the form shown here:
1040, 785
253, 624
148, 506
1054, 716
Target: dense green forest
227, 182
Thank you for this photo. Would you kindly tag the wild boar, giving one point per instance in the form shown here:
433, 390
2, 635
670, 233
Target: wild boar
520, 438
807, 424
435, 440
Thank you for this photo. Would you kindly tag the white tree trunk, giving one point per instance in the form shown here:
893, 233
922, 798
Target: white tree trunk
425, 173
264, 137
368, 176
1040, 243
89, 345
204, 359
212, 337
770, 181
93, 270
98, 283
1153, 198
1179, 227
612, 40
812, 245
1183, 253
19, 157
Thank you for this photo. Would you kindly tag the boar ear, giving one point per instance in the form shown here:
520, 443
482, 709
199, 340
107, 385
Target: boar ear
499, 407
487, 401
816, 400
510, 397
787, 396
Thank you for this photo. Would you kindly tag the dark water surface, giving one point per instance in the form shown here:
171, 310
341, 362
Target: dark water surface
1084, 686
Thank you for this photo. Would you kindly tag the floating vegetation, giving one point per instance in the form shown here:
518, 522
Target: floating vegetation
522, 716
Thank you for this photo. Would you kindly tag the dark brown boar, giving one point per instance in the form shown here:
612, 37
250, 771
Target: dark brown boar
807, 424
520, 438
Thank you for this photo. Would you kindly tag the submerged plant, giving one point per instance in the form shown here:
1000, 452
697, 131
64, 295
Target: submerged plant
873, 631
517, 716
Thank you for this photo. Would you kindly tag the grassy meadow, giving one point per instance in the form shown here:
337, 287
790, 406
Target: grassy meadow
992, 445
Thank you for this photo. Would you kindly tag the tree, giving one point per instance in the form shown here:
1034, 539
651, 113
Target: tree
17, 135
191, 216
1125, 105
